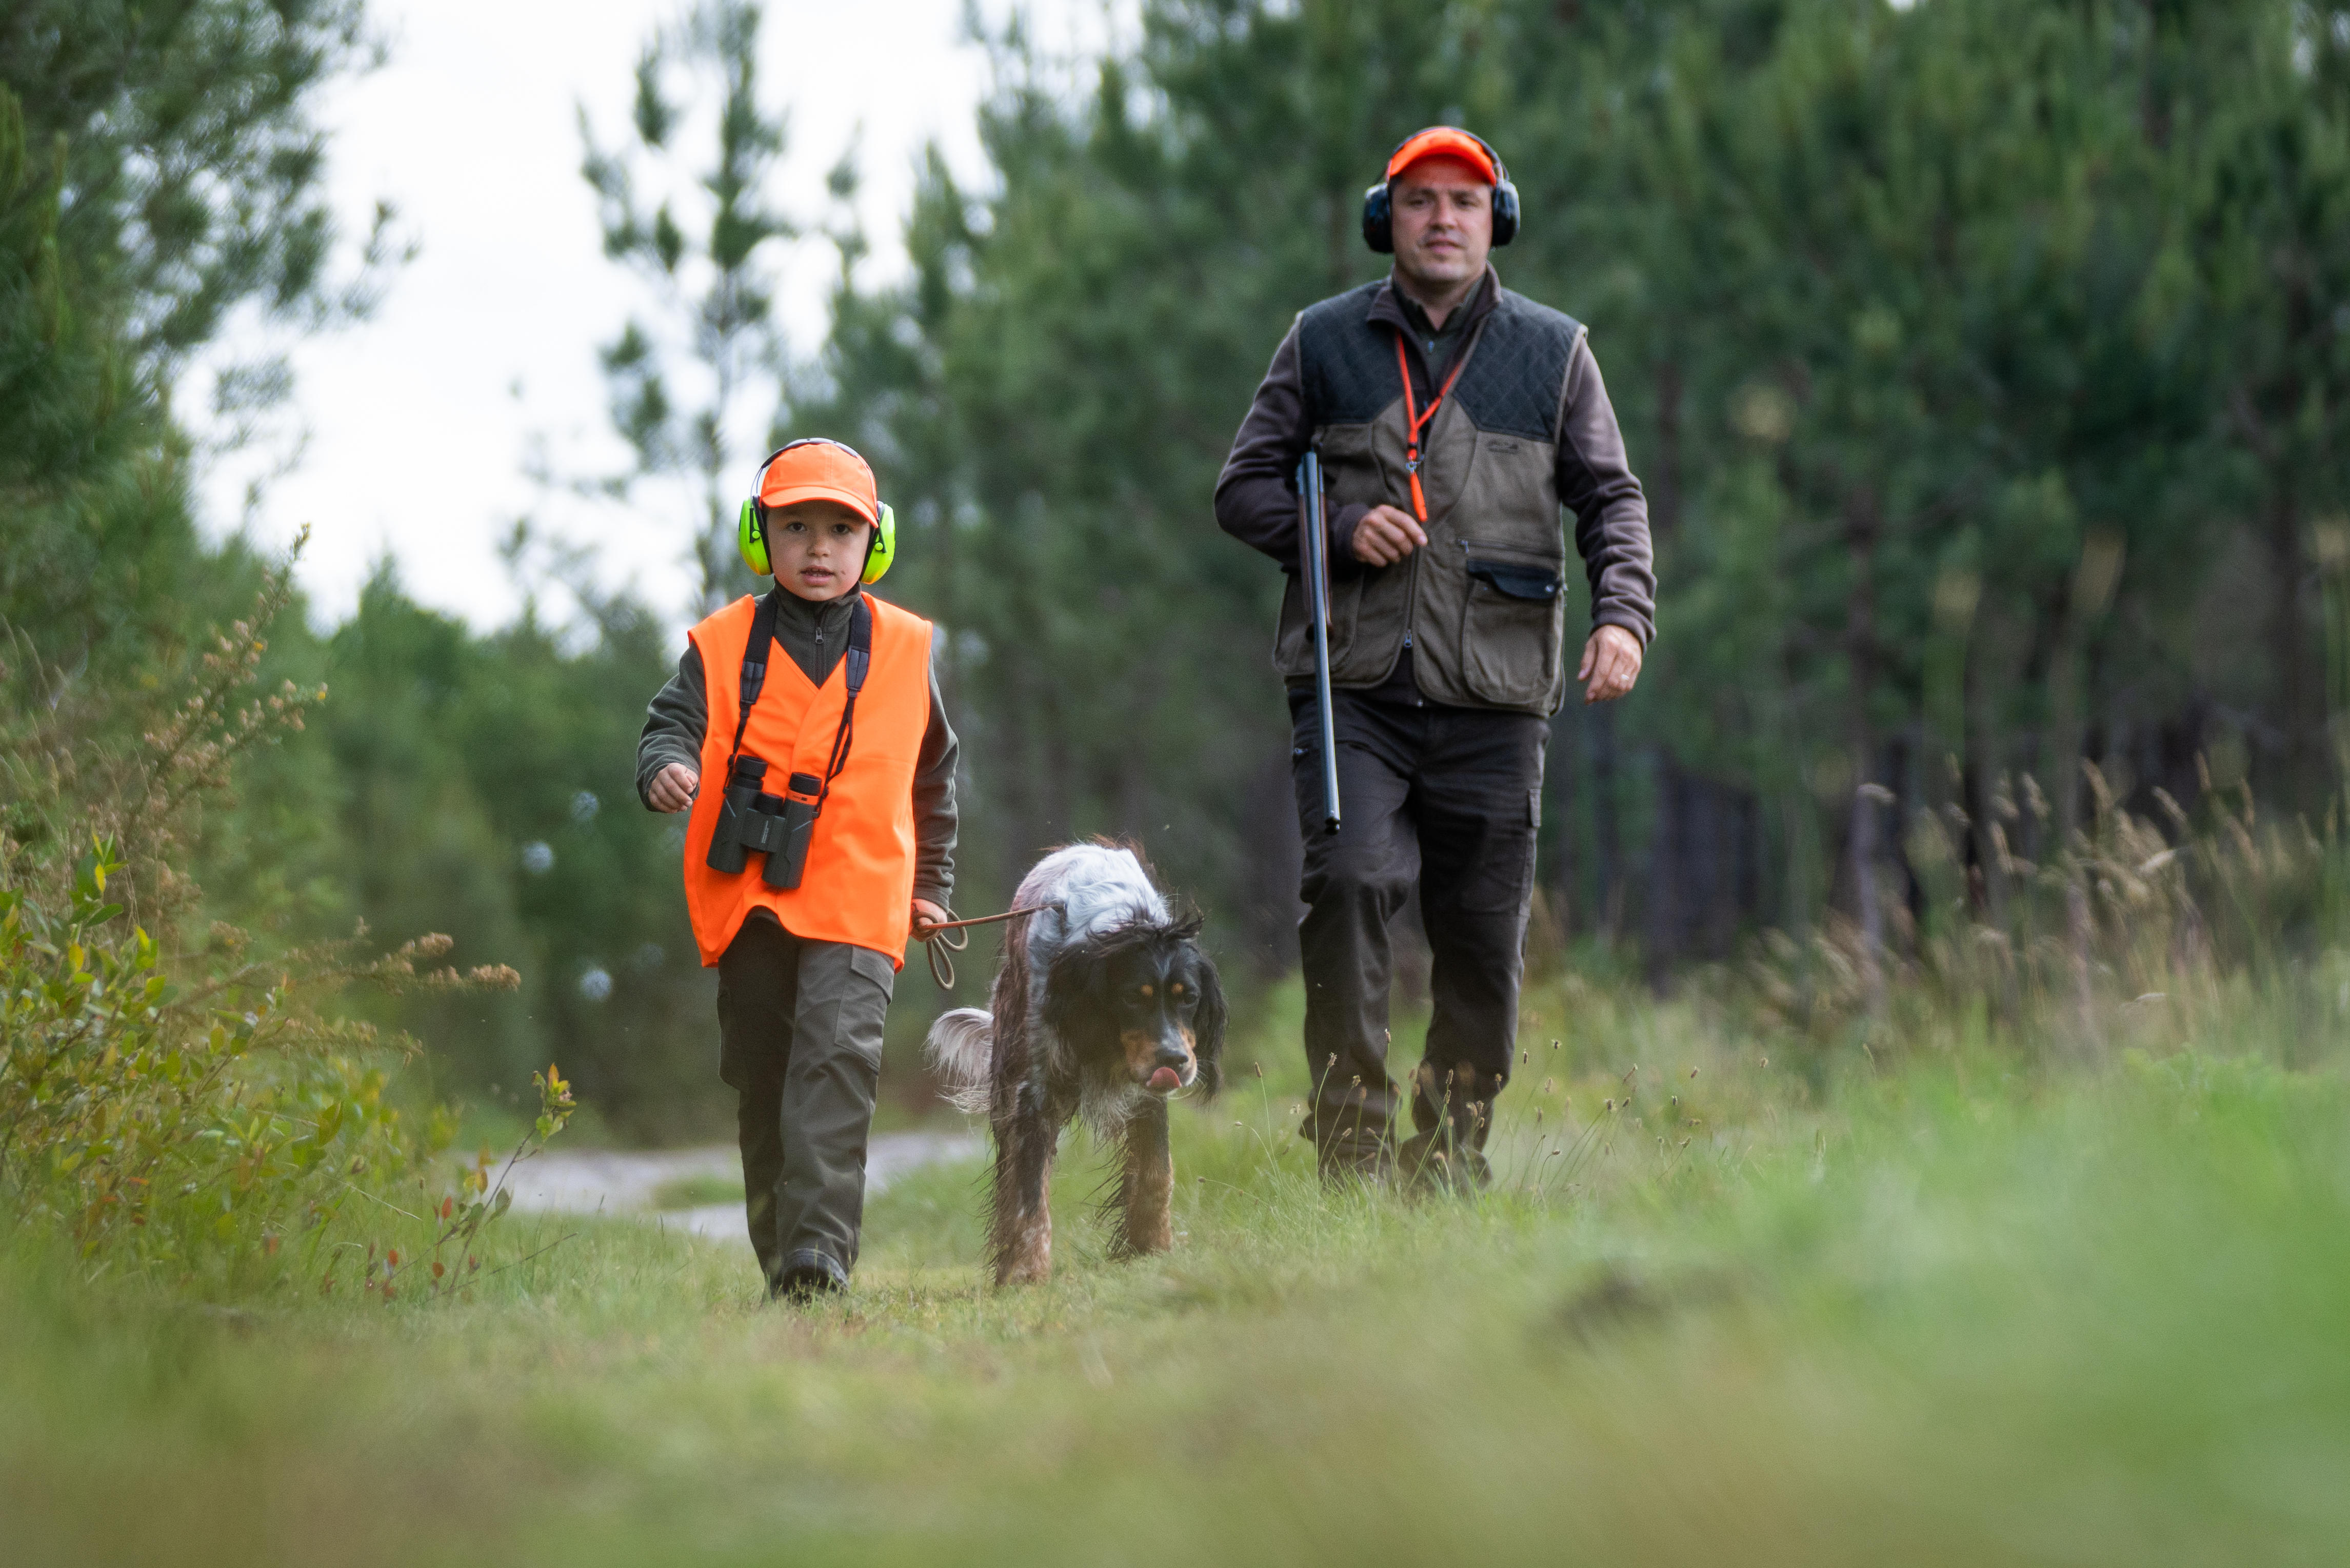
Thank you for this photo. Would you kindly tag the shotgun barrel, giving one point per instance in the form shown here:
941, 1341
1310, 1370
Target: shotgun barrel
1314, 566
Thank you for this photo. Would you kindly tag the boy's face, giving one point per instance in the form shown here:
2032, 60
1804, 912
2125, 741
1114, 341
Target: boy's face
816, 547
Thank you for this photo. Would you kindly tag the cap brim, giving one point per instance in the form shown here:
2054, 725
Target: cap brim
1477, 165
1444, 143
789, 494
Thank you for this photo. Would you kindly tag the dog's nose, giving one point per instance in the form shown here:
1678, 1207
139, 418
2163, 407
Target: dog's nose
1172, 1054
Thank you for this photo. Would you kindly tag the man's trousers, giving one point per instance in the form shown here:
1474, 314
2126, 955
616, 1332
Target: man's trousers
799, 1027
1440, 800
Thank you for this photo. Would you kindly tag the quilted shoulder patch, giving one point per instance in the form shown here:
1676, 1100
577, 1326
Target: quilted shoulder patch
1511, 386
1348, 365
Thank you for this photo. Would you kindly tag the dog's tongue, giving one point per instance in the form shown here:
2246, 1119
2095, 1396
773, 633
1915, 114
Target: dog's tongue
1166, 1081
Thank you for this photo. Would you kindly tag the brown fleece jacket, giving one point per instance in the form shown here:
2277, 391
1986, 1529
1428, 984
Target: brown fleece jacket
1300, 402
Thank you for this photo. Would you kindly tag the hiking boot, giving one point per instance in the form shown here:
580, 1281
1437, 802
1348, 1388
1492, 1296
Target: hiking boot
1363, 1161
1453, 1115
1438, 1161
807, 1276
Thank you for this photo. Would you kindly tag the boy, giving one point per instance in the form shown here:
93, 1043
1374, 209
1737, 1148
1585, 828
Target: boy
827, 832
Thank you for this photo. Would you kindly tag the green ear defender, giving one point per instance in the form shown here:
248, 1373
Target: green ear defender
751, 538
883, 548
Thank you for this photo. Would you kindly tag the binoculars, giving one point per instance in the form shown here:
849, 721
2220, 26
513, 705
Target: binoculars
753, 822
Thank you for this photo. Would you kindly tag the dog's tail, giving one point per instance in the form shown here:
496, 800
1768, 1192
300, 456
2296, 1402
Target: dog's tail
962, 1051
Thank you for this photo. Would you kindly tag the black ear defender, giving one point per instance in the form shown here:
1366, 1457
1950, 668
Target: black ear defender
1378, 201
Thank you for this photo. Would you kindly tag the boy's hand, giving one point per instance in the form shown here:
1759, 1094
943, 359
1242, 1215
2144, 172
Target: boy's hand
928, 914
673, 788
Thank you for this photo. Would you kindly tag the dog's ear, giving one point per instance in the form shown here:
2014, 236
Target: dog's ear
1076, 994
1208, 1025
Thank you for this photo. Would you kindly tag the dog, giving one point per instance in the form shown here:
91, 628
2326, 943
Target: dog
1103, 1007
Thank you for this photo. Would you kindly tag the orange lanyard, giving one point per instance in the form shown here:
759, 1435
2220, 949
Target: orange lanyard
1418, 421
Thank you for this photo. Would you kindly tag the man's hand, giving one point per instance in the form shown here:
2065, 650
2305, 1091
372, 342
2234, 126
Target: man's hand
1611, 662
927, 914
673, 788
1386, 535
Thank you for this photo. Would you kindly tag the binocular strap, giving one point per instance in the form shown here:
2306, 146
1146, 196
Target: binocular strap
755, 655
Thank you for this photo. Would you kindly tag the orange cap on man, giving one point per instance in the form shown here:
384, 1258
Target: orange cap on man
1446, 141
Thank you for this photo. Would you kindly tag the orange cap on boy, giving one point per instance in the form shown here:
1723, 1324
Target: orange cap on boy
821, 471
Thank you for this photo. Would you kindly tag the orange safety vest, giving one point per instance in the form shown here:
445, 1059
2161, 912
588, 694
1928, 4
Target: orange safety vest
858, 885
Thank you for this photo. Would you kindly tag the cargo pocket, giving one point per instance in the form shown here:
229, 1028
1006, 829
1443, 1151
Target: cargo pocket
1511, 619
865, 1009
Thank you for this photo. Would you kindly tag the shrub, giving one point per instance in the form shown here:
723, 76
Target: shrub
187, 1106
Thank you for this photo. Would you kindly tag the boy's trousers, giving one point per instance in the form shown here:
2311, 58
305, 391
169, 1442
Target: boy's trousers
799, 1027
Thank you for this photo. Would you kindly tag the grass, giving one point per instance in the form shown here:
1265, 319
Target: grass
697, 1191
1949, 1308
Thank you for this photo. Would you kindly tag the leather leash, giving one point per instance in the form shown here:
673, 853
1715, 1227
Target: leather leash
935, 946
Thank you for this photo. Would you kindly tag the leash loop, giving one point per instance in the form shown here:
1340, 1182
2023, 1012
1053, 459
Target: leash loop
936, 946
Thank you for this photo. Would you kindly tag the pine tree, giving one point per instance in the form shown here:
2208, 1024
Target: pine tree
712, 272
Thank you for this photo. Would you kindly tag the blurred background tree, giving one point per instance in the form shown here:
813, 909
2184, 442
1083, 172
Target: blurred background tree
174, 147
683, 383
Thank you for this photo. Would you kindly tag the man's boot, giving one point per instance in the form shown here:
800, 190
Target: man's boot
1453, 1112
1349, 1127
1355, 1157
807, 1276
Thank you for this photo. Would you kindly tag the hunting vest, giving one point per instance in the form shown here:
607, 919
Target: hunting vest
858, 885
1484, 602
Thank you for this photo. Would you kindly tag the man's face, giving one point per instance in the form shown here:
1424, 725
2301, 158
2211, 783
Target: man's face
816, 547
1443, 217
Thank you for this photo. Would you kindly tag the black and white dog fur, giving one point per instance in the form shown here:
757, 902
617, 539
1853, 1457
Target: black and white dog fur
1103, 1007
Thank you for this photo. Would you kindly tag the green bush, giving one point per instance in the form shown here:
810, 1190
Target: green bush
179, 1103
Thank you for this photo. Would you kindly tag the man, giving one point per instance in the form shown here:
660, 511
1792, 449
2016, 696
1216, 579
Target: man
1453, 418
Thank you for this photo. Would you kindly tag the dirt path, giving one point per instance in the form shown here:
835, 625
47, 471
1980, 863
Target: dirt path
623, 1181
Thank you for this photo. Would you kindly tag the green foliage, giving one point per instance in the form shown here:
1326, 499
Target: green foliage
137, 1117
103, 577
88, 470
180, 1105
193, 165
488, 790
711, 273
160, 168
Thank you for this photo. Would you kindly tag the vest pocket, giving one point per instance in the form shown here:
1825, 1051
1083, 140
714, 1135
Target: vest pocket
1513, 621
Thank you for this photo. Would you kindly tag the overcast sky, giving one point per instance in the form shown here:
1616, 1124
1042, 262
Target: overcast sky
410, 433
